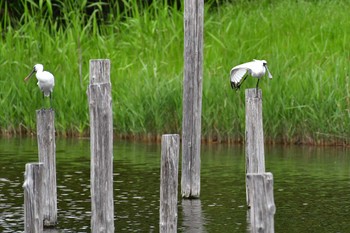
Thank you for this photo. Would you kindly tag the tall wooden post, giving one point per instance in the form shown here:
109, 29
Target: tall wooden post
255, 158
192, 98
101, 140
47, 156
33, 211
169, 183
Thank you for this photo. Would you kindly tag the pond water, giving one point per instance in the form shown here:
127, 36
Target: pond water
311, 187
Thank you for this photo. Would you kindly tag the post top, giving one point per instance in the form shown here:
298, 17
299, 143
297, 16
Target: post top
251, 93
100, 71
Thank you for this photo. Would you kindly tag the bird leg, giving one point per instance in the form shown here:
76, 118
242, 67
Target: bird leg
43, 101
257, 88
243, 80
50, 100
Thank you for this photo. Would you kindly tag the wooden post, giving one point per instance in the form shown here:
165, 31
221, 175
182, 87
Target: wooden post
169, 183
262, 211
192, 98
33, 211
47, 156
255, 158
101, 133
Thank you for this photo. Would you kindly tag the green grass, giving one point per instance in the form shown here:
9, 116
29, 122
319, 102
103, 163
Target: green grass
304, 42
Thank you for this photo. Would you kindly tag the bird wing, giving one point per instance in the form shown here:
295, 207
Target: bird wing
237, 74
46, 82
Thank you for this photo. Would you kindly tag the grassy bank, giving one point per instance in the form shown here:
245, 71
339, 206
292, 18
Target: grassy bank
305, 43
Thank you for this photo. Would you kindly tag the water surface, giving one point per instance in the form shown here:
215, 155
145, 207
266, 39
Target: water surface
312, 188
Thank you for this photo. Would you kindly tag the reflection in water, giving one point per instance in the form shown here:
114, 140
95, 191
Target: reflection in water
52, 230
193, 220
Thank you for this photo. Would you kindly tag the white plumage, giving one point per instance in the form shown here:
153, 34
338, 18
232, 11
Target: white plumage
46, 80
255, 68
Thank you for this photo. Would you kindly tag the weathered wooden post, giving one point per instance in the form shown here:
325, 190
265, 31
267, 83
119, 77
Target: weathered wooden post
47, 156
192, 98
262, 210
169, 183
255, 158
33, 209
101, 140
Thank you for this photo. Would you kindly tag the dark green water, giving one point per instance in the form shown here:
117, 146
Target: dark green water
312, 188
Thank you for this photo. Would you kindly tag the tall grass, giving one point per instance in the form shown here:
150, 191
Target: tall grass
306, 46
304, 42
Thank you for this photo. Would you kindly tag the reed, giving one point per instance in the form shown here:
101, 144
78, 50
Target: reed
305, 43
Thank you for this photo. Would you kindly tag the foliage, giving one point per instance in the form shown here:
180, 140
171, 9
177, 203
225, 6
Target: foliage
305, 43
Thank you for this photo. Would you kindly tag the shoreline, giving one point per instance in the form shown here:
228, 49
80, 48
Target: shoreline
212, 139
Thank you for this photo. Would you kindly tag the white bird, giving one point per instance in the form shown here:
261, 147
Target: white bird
255, 68
46, 80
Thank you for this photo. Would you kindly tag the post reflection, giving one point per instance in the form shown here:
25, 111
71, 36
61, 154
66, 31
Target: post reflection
193, 218
52, 230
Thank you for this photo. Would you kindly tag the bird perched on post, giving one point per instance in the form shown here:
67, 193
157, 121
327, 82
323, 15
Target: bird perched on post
46, 80
255, 68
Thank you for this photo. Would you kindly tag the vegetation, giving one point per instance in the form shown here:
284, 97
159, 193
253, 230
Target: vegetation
304, 42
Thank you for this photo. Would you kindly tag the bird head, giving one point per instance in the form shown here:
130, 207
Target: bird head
36, 68
267, 69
